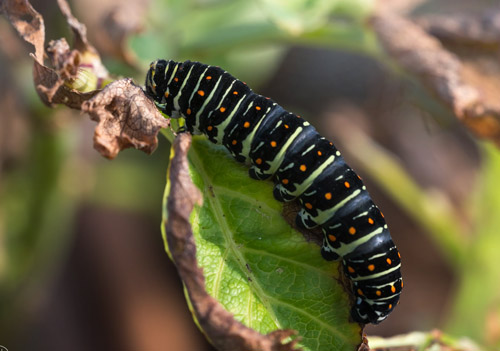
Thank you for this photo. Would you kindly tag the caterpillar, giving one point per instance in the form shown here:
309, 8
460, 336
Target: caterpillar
304, 166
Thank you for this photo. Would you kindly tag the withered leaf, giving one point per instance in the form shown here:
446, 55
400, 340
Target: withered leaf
55, 83
81, 44
440, 71
50, 83
28, 23
79, 30
126, 118
51, 90
220, 327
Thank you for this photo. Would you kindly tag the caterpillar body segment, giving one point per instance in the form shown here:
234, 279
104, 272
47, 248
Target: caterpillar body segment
305, 166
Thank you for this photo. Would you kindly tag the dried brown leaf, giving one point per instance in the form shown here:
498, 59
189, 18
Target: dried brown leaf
28, 23
50, 83
81, 44
63, 59
53, 82
439, 70
79, 30
218, 324
126, 118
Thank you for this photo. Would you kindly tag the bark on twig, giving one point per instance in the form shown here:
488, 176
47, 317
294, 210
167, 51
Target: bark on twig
439, 71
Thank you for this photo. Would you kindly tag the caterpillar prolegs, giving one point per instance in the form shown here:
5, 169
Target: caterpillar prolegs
304, 166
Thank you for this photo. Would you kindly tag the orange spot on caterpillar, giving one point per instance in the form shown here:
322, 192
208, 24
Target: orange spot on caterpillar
222, 109
176, 79
303, 168
201, 93
393, 289
273, 143
286, 126
328, 196
333, 238
371, 267
370, 220
308, 206
401, 283
390, 306
285, 181
360, 292
352, 230
166, 94
378, 293
350, 269
399, 255
208, 77
258, 108
209, 128
188, 111
347, 185
320, 153
382, 214
234, 142
235, 92
389, 261
258, 161
246, 124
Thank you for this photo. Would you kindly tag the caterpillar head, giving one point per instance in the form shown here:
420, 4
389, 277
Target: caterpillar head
157, 80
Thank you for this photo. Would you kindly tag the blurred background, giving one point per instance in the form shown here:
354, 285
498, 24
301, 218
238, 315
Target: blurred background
82, 263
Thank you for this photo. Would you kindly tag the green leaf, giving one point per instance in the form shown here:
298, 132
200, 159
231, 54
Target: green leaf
298, 16
256, 265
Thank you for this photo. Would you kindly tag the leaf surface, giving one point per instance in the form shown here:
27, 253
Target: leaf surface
256, 265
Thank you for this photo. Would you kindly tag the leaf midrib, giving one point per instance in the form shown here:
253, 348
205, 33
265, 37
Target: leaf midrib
227, 235
257, 289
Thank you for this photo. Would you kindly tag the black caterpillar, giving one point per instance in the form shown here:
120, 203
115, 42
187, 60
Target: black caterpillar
303, 164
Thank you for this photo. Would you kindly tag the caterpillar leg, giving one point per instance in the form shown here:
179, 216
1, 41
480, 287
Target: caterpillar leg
327, 252
304, 220
256, 173
281, 194
368, 311
363, 312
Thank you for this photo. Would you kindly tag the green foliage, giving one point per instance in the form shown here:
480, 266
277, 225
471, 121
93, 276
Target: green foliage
256, 265
478, 297
232, 33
